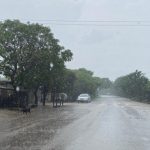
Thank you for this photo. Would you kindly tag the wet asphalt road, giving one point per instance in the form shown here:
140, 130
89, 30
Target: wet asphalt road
109, 123
112, 124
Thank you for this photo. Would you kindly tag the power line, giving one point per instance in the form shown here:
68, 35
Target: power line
63, 20
86, 21
105, 23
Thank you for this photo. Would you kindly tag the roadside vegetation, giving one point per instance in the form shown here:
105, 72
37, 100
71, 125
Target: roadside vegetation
83, 81
32, 59
134, 85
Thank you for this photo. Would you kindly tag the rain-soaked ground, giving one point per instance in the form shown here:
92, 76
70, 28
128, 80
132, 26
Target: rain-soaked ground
109, 123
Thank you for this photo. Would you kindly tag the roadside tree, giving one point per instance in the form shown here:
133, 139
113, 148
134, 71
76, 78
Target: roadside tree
27, 52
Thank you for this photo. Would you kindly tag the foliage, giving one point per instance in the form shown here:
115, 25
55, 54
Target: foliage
27, 50
30, 55
134, 85
69, 80
83, 81
105, 83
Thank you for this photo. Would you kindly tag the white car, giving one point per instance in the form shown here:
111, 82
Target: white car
84, 98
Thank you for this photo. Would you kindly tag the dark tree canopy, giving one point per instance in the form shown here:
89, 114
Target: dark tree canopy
30, 55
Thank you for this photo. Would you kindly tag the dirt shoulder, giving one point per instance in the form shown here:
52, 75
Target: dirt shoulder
32, 131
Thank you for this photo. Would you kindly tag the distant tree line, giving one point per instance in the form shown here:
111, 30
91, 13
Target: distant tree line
83, 81
134, 85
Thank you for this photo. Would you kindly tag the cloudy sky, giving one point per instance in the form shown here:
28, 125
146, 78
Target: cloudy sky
110, 49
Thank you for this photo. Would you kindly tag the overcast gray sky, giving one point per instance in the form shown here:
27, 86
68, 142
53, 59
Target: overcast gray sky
109, 51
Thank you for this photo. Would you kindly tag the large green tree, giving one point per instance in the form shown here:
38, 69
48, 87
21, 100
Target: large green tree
27, 52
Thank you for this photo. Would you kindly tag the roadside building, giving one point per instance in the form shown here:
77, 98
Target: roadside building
6, 93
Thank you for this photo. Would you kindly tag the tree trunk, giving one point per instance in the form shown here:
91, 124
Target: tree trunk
36, 97
44, 98
53, 99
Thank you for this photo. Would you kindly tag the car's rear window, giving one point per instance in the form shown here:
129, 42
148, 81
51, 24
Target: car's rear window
84, 95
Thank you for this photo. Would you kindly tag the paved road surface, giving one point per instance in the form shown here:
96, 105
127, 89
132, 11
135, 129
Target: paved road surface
110, 123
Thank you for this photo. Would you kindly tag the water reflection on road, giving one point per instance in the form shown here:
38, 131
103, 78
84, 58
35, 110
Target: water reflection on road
108, 123
113, 123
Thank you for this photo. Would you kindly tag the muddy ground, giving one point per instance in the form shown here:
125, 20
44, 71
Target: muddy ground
19, 131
